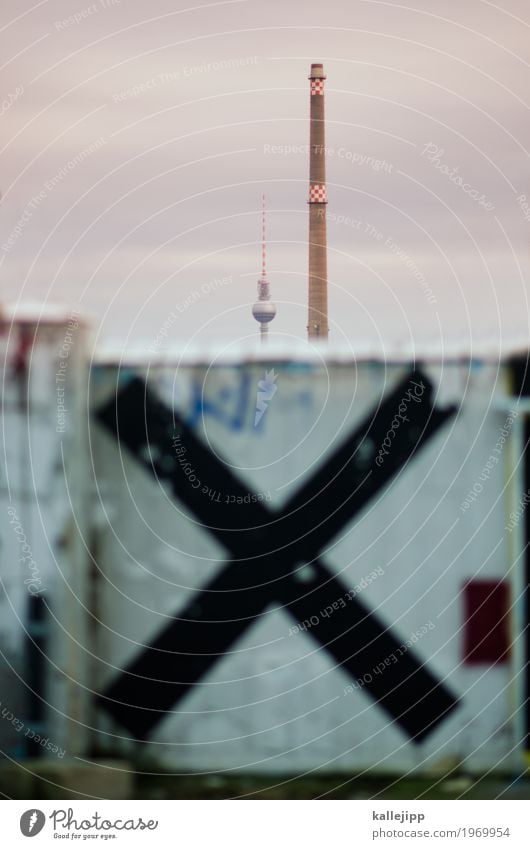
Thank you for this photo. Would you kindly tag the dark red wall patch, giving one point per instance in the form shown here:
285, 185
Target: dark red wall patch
486, 622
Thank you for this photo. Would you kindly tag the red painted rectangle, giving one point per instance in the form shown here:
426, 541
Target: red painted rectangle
486, 622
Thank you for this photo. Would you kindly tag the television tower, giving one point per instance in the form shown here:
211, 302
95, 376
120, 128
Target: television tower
317, 323
263, 310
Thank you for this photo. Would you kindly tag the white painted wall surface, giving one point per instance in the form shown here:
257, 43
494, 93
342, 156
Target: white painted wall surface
44, 494
276, 702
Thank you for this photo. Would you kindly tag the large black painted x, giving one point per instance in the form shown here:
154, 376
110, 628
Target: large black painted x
267, 549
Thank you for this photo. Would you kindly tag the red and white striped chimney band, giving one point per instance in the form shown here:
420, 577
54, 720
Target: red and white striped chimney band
317, 86
317, 194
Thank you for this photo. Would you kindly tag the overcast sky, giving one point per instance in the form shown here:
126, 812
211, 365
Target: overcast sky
137, 139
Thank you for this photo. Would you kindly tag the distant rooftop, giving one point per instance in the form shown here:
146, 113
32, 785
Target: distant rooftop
31, 312
487, 348
143, 354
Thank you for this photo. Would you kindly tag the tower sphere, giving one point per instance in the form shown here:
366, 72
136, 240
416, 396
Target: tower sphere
264, 311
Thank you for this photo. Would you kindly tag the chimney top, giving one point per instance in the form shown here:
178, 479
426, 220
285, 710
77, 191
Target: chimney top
317, 71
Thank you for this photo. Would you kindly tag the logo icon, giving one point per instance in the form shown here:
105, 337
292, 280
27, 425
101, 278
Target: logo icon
32, 822
266, 390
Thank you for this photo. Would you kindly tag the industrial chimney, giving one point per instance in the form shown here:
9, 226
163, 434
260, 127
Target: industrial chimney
317, 326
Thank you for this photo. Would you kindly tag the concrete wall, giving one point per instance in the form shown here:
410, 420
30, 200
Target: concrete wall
43, 536
277, 700
117, 540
